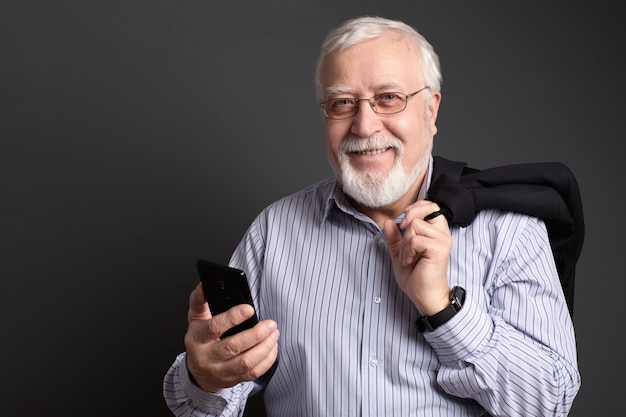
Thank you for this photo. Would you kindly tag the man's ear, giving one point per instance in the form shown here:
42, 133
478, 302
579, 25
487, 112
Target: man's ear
433, 110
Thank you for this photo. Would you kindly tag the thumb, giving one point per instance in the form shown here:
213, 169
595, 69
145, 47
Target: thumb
198, 308
393, 237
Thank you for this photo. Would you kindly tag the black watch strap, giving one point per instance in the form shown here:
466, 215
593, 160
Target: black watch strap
430, 323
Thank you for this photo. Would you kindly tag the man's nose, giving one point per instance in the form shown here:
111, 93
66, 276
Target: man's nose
366, 121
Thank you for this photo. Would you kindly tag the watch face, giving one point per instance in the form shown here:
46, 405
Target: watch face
458, 298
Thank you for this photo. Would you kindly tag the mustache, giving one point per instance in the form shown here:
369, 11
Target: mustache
356, 143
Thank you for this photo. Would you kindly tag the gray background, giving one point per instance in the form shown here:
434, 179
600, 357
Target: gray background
139, 136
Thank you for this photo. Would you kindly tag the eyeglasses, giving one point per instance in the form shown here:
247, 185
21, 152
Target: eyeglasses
383, 103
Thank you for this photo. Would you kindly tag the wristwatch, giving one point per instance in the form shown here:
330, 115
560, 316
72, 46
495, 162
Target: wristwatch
430, 323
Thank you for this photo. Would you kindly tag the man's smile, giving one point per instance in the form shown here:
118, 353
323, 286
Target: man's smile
372, 151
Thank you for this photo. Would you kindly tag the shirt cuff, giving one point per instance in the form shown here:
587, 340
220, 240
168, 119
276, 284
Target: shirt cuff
466, 332
209, 402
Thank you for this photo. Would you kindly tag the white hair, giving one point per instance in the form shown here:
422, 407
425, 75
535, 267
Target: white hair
360, 29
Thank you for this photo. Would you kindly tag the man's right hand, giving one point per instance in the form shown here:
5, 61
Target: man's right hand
216, 363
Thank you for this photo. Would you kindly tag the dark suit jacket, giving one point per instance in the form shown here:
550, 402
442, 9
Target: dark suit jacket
547, 190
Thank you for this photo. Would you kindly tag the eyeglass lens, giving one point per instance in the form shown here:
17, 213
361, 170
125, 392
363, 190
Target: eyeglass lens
384, 103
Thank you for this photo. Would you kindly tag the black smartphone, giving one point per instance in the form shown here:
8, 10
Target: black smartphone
225, 287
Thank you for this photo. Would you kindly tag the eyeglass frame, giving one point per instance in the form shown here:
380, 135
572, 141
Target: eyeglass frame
371, 102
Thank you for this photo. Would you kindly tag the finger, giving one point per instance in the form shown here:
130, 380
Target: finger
248, 338
423, 237
418, 227
393, 238
423, 210
415, 248
268, 357
255, 361
198, 308
249, 364
245, 350
431, 240
205, 328
229, 319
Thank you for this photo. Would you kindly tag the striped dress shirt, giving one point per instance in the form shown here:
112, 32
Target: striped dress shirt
348, 344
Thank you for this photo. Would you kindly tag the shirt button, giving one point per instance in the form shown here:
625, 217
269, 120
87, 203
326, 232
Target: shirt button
377, 300
374, 362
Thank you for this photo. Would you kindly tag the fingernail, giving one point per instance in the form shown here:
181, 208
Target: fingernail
246, 311
272, 325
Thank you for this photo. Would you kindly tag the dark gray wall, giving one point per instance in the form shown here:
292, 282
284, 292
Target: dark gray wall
139, 136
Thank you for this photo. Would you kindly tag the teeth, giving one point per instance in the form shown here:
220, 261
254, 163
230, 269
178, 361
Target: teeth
371, 152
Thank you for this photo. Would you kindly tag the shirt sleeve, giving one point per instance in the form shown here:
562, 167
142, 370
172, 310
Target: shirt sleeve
184, 398
516, 356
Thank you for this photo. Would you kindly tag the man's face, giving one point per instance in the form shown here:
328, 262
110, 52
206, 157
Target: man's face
384, 64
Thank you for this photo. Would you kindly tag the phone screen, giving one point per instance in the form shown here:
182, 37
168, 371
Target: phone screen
225, 287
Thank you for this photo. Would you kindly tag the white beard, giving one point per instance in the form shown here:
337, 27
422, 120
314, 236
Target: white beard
373, 189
